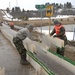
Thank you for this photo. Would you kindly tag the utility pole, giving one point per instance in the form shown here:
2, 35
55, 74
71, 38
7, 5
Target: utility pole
9, 6
74, 34
40, 8
16, 2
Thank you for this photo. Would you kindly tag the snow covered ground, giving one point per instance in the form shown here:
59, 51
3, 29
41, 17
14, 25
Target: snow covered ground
70, 35
57, 17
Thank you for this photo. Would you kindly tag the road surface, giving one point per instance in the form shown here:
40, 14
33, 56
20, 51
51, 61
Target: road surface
10, 59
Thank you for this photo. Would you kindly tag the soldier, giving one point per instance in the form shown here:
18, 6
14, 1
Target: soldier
11, 25
60, 33
18, 42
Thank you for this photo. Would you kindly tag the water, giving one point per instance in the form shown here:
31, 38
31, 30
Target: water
69, 30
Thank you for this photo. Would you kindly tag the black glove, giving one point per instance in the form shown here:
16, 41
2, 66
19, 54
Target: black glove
55, 36
40, 41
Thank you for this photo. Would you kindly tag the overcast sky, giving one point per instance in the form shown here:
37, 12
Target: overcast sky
29, 4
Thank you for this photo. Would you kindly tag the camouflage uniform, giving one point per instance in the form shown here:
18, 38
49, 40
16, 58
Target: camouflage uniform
20, 47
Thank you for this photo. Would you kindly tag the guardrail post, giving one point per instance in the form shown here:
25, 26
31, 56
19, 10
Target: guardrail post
73, 34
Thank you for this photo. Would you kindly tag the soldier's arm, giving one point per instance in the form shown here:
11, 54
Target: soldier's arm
53, 31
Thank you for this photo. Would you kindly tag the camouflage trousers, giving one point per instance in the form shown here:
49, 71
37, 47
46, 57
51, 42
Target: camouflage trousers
61, 51
19, 45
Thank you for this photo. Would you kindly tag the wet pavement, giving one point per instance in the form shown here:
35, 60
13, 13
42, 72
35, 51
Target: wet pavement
10, 59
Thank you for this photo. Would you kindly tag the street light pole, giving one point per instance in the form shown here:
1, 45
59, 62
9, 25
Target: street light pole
41, 20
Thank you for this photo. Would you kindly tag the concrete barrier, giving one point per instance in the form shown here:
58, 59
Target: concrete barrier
2, 71
41, 69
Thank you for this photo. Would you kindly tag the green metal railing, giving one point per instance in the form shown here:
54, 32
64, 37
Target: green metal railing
63, 57
48, 71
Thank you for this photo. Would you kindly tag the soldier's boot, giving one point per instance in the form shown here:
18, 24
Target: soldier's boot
62, 53
23, 60
58, 51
